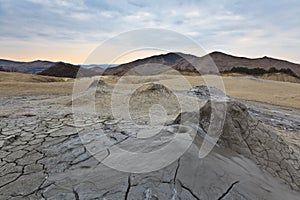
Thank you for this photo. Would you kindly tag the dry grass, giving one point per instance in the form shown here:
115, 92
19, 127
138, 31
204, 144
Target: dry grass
32, 78
23, 88
274, 92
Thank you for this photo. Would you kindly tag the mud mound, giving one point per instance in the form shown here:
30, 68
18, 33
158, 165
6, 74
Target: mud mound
155, 98
100, 86
246, 135
207, 92
98, 90
153, 89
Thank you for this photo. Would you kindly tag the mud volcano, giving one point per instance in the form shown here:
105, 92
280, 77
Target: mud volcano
249, 137
100, 85
96, 90
153, 89
207, 92
153, 98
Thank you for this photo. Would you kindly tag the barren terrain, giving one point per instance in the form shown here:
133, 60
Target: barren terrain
53, 146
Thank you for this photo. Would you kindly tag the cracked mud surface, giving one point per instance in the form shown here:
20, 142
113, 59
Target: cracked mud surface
44, 155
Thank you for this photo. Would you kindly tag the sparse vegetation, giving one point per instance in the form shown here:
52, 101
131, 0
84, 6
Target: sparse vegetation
11, 69
2, 69
260, 71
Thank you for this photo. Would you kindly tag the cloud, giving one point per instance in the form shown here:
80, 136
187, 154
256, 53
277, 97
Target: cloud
236, 26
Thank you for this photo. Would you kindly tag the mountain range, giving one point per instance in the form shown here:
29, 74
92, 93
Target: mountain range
48, 68
33, 67
158, 64
189, 63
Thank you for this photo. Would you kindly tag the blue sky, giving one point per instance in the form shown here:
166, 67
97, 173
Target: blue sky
70, 30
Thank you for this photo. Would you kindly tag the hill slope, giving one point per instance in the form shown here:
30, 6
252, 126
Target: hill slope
189, 63
61, 69
227, 62
184, 63
150, 65
48, 68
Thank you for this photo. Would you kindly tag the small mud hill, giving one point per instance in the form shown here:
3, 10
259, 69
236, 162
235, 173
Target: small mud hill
96, 90
207, 92
246, 135
153, 89
152, 94
100, 86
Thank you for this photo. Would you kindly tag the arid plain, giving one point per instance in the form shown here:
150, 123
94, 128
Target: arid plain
55, 146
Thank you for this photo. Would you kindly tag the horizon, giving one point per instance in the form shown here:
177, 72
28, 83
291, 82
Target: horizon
147, 56
71, 30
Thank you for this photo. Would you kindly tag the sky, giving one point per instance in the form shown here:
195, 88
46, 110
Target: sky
70, 30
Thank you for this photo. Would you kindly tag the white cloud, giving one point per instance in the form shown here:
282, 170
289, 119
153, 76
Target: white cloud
236, 26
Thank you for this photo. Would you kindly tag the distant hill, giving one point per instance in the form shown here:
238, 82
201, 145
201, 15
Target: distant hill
227, 62
189, 63
33, 67
61, 69
48, 68
43, 67
154, 65
184, 63
104, 66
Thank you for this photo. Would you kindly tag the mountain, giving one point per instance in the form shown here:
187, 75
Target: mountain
61, 69
227, 62
161, 63
48, 68
189, 63
152, 65
88, 66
